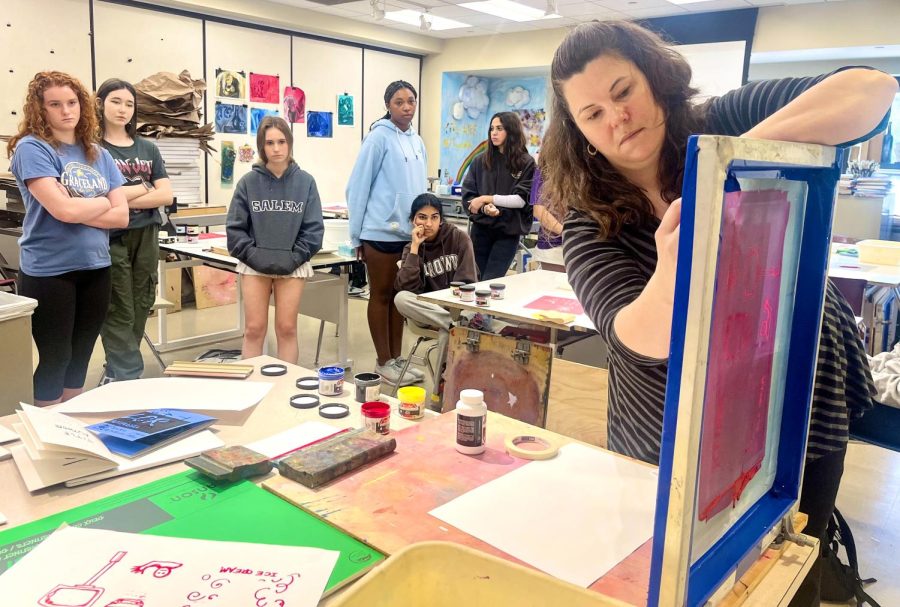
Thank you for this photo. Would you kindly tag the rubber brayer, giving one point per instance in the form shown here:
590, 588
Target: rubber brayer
230, 463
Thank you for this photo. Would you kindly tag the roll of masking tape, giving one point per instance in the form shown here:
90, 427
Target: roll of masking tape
530, 447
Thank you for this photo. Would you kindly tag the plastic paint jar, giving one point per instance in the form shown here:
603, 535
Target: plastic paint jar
483, 297
331, 381
467, 293
368, 386
193, 234
471, 422
454, 288
498, 290
412, 402
377, 416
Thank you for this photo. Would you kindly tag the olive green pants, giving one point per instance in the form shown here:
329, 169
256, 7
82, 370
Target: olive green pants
134, 257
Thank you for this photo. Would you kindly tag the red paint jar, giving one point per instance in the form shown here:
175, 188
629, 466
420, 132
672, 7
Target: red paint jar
377, 416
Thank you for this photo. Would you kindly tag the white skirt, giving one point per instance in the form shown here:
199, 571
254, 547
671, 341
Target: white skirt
304, 271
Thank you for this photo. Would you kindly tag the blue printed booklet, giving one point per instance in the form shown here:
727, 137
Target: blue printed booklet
140, 433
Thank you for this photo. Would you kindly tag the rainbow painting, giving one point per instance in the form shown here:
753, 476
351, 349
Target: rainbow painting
481, 147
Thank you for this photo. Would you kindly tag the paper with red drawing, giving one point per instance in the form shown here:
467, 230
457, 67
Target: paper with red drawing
144, 570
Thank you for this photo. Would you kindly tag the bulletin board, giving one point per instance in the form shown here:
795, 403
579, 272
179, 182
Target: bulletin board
61, 44
247, 50
380, 70
323, 71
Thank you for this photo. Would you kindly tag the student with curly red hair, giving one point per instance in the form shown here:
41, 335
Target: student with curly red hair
73, 195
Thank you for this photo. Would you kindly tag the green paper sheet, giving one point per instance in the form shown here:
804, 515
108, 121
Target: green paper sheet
189, 506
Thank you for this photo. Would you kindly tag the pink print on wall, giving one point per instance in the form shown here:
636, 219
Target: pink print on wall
263, 88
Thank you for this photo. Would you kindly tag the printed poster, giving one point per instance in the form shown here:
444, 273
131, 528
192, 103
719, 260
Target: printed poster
345, 110
231, 84
228, 154
263, 88
319, 124
256, 116
231, 118
294, 104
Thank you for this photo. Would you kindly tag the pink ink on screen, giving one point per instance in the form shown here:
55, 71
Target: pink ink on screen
742, 346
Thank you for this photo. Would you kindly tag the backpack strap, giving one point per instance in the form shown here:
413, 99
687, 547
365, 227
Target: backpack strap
840, 534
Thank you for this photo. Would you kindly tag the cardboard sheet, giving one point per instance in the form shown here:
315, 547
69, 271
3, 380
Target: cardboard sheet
132, 569
218, 396
575, 516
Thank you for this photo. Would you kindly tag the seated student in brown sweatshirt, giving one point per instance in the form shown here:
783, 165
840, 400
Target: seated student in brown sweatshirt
439, 253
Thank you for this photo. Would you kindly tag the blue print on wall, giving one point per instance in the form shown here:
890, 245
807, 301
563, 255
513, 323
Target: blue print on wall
231, 118
319, 124
256, 116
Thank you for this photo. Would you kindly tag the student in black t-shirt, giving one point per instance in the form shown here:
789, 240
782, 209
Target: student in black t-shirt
135, 250
614, 159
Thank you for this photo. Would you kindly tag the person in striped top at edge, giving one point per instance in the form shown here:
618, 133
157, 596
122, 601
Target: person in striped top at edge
613, 162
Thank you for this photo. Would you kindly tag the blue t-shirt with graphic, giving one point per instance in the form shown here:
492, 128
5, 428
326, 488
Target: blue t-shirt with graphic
50, 247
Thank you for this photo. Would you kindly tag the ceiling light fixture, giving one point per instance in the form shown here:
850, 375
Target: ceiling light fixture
424, 24
552, 9
377, 13
415, 18
507, 9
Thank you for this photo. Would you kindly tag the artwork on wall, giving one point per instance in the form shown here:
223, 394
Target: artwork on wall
256, 116
517, 97
319, 124
263, 88
345, 110
472, 99
246, 153
228, 154
231, 118
231, 84
532, 125
294, 104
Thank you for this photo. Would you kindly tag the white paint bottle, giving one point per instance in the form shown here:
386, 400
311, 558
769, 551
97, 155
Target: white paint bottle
471, 422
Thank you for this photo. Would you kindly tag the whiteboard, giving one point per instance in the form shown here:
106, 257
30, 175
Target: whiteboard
717, 67
324, 71
61, 44
248, 50
380, 69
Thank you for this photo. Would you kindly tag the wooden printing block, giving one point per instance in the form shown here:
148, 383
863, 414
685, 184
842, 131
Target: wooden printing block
230, 463
322, 463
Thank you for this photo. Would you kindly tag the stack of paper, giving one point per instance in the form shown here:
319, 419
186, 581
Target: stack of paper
140, 433
58, 449
182, 155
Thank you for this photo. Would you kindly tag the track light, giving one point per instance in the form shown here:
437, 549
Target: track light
377, 13
551, 9
424, 24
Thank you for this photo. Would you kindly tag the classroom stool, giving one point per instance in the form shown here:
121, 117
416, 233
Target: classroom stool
158, 304
423, 335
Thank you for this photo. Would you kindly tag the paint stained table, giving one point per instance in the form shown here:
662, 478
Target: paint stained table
386, 504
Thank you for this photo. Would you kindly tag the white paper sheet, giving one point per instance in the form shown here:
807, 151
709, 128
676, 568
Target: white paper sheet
132, 569
7, 435
188, 393
283, 443
4, 454
575, 516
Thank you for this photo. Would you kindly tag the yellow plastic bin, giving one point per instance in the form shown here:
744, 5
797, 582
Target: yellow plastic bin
444, 574
879, 252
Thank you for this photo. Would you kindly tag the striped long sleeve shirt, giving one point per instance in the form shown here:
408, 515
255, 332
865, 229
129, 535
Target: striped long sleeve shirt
608, 274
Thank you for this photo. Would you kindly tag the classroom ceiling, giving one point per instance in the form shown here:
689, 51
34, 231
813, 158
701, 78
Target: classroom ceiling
571, 12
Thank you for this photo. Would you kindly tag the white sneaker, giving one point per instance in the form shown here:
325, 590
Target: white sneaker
390, 373
410, 370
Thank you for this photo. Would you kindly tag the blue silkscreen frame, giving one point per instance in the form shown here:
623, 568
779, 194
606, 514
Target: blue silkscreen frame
711, 569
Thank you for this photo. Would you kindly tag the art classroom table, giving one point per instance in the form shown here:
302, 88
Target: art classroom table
522, 290
271, 416
885, 278
324, 297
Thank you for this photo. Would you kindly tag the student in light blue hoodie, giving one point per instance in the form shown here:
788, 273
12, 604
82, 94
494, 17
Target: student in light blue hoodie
389, 173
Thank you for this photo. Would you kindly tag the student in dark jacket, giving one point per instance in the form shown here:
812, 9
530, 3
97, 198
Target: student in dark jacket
439, 253
274, 228
496, 192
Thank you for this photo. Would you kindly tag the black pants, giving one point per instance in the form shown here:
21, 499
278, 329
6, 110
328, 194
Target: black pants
66, 323
821, 479
494, 251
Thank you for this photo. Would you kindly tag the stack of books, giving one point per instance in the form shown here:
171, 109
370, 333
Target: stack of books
846, 184
182, 158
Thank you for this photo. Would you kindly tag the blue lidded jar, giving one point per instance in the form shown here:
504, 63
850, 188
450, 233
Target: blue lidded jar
331, 381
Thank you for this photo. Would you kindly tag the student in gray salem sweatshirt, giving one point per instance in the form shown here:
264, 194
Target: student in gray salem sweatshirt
274, 228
